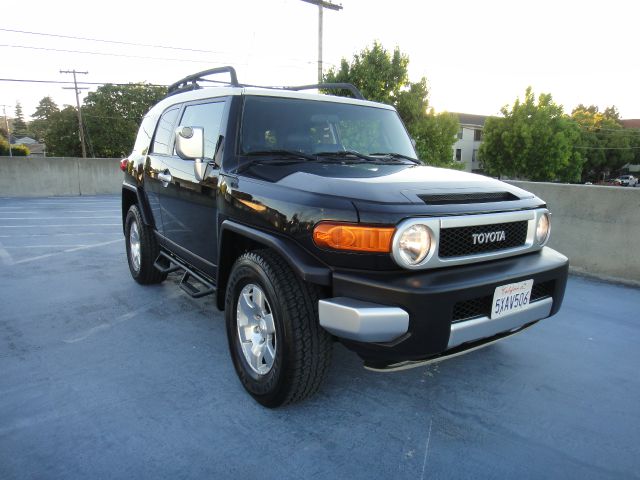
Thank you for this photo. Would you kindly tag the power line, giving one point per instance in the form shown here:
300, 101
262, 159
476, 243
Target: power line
24, 80
146, 45
88, 52
163, 59
102, 40
585, 147
631, 131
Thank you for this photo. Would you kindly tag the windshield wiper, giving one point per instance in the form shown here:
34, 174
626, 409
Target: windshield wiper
347, 153
292, 154
398, 156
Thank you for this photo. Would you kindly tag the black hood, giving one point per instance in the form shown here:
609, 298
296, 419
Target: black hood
391, 184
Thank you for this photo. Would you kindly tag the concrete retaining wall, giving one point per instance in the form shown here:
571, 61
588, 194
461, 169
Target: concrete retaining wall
597, 227
53, 176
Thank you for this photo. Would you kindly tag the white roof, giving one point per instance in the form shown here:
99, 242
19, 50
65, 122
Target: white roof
214, 92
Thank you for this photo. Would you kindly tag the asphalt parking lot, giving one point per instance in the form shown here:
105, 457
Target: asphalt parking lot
103, 378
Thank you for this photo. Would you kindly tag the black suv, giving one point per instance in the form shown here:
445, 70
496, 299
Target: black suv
310, 219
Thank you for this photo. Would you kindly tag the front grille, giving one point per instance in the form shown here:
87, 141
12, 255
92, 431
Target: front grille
474, 308
459, 241
481, 306
542, 290
460, 198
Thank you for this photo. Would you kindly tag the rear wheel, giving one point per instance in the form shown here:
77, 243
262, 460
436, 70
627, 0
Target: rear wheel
142, 249
279, 351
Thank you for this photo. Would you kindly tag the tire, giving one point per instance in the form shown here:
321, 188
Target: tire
296, 351
142, 249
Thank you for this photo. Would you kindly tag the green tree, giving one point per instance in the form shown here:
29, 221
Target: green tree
45, 110
19, 126
382, 76
605, 144
113, 113
61, 136
533, 140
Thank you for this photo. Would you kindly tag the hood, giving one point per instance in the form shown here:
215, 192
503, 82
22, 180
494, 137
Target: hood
397, 184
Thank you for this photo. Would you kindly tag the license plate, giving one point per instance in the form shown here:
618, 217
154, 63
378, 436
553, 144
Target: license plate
511, 298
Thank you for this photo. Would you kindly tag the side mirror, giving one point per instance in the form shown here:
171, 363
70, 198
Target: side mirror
190, 146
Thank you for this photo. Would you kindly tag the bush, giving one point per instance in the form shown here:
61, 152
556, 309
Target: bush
16, 150
20, 150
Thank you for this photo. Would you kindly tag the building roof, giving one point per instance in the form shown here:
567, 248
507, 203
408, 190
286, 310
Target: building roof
631, 123
471, 119
25, 141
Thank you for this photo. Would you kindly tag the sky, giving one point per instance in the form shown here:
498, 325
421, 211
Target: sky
476, 55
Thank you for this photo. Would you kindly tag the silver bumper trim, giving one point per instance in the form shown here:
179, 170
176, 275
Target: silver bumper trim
362, 321
479, 328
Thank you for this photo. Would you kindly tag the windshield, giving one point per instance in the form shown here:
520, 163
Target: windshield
313, 127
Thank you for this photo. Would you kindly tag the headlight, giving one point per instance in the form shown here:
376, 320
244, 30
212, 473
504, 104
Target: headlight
542, 230
412, 245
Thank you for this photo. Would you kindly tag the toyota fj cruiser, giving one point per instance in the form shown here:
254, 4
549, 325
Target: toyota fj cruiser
310, 219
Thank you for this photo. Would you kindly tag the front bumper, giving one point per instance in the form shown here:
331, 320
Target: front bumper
389, 318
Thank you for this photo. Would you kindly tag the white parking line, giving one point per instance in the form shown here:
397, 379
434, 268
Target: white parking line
75, 203
77, 225
18, 247
122, 318
68, 250
16, 211
61, 234
63, 218
5, 257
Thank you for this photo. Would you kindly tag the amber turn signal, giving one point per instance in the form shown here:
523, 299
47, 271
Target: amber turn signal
344, 236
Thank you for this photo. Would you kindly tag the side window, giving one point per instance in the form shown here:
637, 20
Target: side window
144, 136
164, 131
208, 116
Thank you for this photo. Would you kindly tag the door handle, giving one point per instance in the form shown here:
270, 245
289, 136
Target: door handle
165, 178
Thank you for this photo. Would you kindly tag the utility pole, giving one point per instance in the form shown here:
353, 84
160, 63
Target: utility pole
6, 122
77, 89
321, 5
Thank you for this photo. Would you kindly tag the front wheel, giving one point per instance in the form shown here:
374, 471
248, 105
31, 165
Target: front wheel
279, 351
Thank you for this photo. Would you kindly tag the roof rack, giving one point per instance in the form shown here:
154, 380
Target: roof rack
190, 82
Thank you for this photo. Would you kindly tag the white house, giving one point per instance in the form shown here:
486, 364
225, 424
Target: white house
465, 150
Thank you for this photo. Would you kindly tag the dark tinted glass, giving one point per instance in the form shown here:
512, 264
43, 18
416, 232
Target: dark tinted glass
164, 132
311, 127
144, 136
208, 116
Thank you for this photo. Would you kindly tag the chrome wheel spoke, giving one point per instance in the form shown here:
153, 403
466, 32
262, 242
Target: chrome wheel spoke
271, 327
269, 353
134, 246
246, 308
256, 329
258, 299
256, 358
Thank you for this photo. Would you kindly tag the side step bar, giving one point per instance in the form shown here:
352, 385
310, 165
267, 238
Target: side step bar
168, 264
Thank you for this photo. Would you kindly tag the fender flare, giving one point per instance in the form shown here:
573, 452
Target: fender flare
145, 210
307, 267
